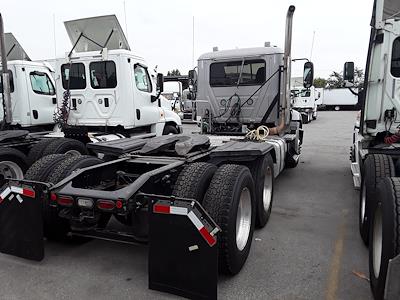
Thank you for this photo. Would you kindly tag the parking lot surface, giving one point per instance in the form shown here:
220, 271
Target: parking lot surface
310, 249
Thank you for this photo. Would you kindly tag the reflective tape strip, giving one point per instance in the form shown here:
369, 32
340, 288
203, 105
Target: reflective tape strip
17, 190
19, 198
11, 197
195, 220
174, 210
5, 193
207, 236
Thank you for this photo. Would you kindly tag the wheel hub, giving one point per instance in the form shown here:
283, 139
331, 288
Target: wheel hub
243, 219
267, 191
377, 242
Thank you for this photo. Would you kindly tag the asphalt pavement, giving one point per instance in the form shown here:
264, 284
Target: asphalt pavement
310, 249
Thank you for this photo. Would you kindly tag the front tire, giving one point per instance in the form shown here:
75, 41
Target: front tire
170, 129
230, 201
384, 234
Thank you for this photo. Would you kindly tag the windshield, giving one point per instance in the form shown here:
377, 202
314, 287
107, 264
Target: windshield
228, 73
302, 93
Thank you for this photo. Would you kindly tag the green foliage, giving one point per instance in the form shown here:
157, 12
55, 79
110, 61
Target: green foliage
335, 80
174, 72
320, 82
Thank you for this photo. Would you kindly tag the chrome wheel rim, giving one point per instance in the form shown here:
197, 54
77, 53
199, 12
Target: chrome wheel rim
267, 191
243, 219
377, 242
10, 169
363, 203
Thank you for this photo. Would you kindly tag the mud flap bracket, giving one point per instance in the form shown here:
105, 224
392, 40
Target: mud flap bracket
183, 248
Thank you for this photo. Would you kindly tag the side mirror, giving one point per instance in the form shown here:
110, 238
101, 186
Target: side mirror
192, 81
308, 75
348, 74
160, 82
193, 75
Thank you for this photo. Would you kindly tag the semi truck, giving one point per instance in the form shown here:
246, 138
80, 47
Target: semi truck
35, 96
375, 153
194, 198
305, 102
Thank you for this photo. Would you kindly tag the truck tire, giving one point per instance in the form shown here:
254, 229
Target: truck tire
56, 227
36, 151
13, 164
384, 234
264, 189
170, 129
193, 181
376, 167
41, 169
230, 201
66, 146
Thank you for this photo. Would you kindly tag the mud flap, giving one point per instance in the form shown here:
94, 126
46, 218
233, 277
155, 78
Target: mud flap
183, 249
392, 289
21, 227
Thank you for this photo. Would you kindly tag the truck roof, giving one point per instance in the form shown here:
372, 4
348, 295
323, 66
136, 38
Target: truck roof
239, 53
113, 52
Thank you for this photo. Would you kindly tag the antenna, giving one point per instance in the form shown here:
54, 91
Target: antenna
54, 35
126, 24
312, 45
193, 45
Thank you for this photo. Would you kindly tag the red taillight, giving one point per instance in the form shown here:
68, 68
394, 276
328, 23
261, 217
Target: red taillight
53, 197
65, 200
105, 204
28, 192
119, 204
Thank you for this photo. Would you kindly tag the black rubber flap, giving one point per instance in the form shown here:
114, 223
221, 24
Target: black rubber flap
181, 260
12, 134
21, 227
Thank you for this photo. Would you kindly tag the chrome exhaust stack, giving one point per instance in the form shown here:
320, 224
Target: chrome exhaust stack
5, 76
287, 65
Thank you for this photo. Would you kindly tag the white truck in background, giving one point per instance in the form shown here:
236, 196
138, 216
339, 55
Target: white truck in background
375, 154
340, 99
32, 89
305, 102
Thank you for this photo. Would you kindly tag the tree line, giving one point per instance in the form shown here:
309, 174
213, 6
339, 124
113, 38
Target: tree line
336, 80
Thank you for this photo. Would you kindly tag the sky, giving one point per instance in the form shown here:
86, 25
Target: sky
161, 31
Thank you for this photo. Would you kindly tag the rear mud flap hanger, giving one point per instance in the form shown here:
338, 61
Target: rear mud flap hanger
183, 244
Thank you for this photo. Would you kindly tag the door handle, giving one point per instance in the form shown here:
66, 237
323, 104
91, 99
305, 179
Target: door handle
54, 99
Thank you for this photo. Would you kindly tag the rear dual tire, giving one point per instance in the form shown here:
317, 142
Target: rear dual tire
53, 168
375, 168
384, 235
228, 196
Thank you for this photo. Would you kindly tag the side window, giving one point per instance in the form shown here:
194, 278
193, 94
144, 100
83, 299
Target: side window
103, 75
41, 83
142, 79
11, 82
73, 76
395, 68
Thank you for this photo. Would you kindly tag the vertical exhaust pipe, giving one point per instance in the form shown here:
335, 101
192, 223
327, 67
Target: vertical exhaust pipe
5, 77
287, 65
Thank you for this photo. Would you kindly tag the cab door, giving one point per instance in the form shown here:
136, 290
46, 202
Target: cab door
147, 112
42, 96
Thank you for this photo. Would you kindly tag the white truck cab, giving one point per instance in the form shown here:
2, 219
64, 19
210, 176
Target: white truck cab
305, 102
33, 95
376, 150
109, 85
